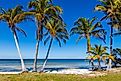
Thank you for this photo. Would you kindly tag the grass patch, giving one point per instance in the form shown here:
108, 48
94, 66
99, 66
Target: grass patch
58, 77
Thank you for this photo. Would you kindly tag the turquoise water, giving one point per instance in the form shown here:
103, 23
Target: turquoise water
7, 65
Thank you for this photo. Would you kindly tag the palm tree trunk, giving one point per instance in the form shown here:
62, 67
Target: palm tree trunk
36, 55
88, 43
99, 67
47, 55
18, 49
92, 63
37, 44
111, 43
88, 49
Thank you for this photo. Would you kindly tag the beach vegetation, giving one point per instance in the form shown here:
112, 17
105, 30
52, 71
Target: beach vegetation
111, 10
56, 30
86, 28
12, 17
59, 77
99, 52
42, 10
117, 55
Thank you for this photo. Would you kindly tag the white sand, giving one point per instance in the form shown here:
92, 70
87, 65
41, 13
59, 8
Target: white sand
64, 71
71, 71
10, 72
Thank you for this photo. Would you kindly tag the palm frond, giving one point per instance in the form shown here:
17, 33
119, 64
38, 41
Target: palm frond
105, 17
13, 17
99, 52
92, 52
95, 26
79, 38
92, 20
73, 31
16, 10
46, 40
117, 34
100, 8
32, 4
59, 42
21, 30
59, 9
3, 10
101, 34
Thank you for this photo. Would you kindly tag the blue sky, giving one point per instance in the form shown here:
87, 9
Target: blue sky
72, 10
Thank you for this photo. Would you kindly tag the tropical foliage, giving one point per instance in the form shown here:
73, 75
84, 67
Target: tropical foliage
51, 27
117, 51
86, 28
117, 54
99, 53
42, 11
56, 30
13, 17
111, 9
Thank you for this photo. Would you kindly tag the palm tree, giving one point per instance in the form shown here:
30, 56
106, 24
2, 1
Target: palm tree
111, 9
13, 17
86, 28
42, 9
117, 53
108, 57
97, 53
56, 30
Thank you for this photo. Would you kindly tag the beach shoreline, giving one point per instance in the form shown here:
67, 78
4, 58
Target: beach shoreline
82, 72
70, 71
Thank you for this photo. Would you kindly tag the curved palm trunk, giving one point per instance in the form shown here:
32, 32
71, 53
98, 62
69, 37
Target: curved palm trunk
36, 55
111, 43
18, 49
38, 25
47, 55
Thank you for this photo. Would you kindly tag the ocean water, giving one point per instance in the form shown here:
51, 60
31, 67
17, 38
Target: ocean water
10, 65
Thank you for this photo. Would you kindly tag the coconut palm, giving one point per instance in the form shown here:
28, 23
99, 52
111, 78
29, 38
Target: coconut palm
97, 52
86, 28
12, 17
56, 31
117, 53
42, 9
108, 57
111, 9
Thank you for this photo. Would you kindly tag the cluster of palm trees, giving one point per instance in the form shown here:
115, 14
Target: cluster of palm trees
50, 26
47, 18
85, 29
111, 10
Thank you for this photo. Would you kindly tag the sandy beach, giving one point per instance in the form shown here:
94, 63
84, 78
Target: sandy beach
62, 71
70, 71
10, 72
